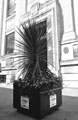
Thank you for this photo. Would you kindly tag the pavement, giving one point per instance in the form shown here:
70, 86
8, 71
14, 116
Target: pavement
68, 110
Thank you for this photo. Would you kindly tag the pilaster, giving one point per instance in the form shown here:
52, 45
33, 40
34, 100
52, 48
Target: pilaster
68, 17
4, 28
1, 22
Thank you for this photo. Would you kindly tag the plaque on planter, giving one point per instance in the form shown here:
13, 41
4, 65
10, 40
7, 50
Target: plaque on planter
25, 102
53, 100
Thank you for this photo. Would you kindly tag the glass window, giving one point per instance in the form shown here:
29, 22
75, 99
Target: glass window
9, 43
11, 7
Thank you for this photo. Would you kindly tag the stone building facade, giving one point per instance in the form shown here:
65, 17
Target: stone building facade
61, 25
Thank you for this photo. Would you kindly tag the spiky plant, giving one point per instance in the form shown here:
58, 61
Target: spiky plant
32, 61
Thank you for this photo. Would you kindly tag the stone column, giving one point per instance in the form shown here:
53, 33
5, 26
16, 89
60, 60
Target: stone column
54, 30
1, 22
69, 25
75, 6
4, 28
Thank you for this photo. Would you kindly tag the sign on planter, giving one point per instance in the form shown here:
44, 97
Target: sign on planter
53, 100
25, 102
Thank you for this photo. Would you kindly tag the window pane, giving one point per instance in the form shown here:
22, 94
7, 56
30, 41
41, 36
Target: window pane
11, 7
9, 43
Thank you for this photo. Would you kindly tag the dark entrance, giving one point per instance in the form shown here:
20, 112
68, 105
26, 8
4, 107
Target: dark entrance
41, 27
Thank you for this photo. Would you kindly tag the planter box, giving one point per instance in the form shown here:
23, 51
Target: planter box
37, 104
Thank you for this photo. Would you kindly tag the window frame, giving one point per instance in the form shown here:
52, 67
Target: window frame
11, 46
9, 9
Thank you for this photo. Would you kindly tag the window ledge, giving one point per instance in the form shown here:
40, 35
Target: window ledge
11, 16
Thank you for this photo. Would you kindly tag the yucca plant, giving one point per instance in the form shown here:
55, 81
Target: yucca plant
32, 58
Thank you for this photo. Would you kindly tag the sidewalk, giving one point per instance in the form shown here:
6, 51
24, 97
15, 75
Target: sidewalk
68, 111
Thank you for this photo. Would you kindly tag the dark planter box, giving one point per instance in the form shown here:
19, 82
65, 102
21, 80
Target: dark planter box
37, 104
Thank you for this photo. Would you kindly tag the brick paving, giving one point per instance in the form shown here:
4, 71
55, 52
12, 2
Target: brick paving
68, 110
